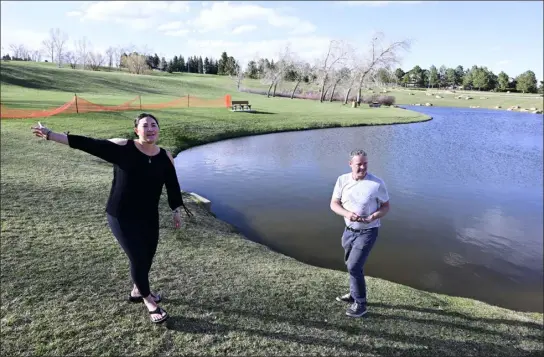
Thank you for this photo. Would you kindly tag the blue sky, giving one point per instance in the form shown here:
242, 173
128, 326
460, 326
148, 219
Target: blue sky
501, 35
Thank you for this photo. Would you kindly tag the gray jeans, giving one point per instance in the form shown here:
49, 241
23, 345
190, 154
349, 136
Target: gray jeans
357, 246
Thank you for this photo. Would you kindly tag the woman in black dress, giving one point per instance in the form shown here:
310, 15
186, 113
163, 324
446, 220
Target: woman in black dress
140, 169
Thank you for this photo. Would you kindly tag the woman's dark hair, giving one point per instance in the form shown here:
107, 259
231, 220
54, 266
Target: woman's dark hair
145, 115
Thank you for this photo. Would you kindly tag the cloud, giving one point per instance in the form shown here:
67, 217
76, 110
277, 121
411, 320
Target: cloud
307, 48
32, 40
376, 3
175, 25
177, 33
137, 14
222, 15
243, 28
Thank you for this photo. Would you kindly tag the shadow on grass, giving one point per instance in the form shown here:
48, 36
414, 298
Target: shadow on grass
374, 328
430, 346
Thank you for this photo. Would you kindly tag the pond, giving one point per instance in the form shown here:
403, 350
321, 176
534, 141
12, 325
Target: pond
466, 199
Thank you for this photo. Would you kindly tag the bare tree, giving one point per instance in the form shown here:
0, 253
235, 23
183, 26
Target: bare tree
118, 52
274, 73
110, 53
136, 63
380, 56
59, 40
49, 48
338, 77
95, 60
238, 76
333, 58
36, 55
19, 51
302, 70
83, 47
71, 58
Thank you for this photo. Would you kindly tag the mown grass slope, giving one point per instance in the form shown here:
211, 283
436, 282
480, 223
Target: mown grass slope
65, 280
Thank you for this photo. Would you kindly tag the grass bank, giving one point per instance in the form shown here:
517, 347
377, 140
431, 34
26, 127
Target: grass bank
64, 278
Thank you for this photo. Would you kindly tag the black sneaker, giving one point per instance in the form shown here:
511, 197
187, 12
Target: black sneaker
345, 298
356, 310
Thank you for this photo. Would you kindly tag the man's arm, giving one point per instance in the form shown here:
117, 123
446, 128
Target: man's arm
382, 211
336, 207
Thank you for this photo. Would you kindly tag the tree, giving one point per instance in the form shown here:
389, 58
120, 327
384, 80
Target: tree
459, 75
451, 77
200, 65
71, 58
110, 53
541, 88
136, 63
156, 61
481, 78
83, 48
334, 57
49, 48
433, 76
399, 73
207, 69
380, 56
442, 76
302, 70
222, 64
95, 60
526, 82
276, 71
59, 40
163, 64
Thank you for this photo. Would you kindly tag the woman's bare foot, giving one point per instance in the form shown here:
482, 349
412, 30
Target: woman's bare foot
152, 306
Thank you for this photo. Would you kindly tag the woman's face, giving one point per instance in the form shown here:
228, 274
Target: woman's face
147, 130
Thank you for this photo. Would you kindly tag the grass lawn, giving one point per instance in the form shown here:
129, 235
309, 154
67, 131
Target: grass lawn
65, 280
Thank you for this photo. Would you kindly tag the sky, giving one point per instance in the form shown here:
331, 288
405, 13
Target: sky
501, 35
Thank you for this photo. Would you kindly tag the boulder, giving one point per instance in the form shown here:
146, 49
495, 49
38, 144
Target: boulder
428, 105
498, 107
438, 97
537, 112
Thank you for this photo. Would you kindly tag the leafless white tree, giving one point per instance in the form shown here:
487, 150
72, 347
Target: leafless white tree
275, 72
19, 51
110, 53
238, 76
49, 48
95, 59
379, 55
334, 57
302, 70
71, 58
338, 77
83, 47
59, 39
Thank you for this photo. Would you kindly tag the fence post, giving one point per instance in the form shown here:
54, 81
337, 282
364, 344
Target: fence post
77, 109
187, 100
140, 97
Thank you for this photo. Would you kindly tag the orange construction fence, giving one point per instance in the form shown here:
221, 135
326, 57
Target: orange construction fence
80, 105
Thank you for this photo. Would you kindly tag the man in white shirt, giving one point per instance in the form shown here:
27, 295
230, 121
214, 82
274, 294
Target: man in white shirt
362, 199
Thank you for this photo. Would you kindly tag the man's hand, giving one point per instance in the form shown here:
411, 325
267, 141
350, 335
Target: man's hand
367, 220
352, 216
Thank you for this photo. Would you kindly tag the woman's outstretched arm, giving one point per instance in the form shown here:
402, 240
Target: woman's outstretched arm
108, 150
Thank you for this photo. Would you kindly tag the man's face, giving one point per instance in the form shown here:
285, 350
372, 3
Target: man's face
359, 165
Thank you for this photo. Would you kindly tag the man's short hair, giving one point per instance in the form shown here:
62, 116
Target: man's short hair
357, 152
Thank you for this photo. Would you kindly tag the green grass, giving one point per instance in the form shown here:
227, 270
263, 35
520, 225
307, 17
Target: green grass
64, 278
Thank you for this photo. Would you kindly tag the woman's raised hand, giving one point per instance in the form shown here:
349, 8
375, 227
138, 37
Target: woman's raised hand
41, 131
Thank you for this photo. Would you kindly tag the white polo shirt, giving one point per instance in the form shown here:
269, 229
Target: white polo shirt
362, 197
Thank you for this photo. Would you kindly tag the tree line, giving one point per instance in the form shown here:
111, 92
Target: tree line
339, 69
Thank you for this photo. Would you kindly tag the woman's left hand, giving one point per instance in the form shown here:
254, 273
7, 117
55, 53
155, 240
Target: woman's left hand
177, 220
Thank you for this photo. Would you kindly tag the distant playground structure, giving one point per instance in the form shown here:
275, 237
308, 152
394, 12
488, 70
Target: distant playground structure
79, 105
